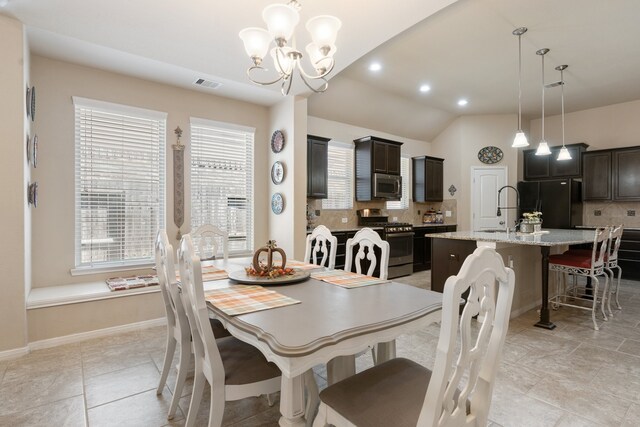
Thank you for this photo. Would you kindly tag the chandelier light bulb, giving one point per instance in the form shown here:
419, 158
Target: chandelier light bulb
318, 58
564, 154
282, 60
324, 29
543, 149
281, 20
256, 42
520, 140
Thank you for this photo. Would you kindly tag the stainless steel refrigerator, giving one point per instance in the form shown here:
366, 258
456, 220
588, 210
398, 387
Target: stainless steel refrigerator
559, 200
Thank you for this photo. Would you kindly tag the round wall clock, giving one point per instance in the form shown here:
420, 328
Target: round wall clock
277, 203
490, 155
277, 141
277, 173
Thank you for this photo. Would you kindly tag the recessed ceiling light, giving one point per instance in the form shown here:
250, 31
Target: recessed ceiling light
463, 102
425, 88
375, 66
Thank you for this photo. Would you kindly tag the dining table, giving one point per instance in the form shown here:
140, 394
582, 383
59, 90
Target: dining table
330, 323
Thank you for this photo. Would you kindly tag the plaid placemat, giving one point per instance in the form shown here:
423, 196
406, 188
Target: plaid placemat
346, 279
241, 299
131, 282
209, 273
301, 265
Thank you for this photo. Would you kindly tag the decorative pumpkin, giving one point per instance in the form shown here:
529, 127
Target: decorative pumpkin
269, 249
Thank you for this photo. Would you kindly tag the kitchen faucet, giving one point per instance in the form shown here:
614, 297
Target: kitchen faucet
516, 207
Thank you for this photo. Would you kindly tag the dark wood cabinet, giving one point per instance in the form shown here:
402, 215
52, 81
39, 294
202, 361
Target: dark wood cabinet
317, 163
629, 255
626, 174
549, 167
427, 179
612, 175
374, 155
422, 245
447, 256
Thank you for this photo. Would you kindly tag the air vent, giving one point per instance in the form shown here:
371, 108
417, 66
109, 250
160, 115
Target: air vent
207, 83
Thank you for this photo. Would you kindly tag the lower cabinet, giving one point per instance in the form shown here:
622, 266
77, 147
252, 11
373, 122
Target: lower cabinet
629, 255
422, 245
447, 258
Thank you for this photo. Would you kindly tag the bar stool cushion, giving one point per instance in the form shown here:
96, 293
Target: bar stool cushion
571, 260
389, 394
582, 252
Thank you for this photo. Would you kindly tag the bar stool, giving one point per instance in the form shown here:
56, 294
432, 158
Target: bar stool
587, 264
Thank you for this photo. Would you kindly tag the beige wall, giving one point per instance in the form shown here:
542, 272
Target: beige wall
14, 175
459, 145
57, 82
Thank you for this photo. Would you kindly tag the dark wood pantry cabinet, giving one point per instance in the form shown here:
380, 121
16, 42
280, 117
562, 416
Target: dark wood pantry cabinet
427, 179
317, 164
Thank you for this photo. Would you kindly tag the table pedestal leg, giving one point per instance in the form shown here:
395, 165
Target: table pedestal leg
545, 321
340, 367
292, 402
385, 351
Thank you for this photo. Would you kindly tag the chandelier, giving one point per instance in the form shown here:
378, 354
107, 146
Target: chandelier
281, 20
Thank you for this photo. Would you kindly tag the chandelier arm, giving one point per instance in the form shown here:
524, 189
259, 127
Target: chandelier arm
250, 69
286, 82
321, 89
279, 52
319, 76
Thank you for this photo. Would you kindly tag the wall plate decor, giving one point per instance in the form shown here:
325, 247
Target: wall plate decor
32, 194
32, 101
490, 155
277, 172
277, 141
28, 149
28, 103
34, 152
277, 203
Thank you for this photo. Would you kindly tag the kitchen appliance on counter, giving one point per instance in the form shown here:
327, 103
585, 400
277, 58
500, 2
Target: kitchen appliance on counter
559, 200
400, 238
387, 186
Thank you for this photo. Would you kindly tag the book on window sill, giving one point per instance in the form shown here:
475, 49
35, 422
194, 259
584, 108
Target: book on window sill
132, 282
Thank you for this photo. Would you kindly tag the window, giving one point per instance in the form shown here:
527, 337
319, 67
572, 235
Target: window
340, 177
403, 203
120, 183
222, 180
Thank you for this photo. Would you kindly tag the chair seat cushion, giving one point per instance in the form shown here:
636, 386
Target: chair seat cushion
243, 363
579, 261
389, 394
218, 330
582, 252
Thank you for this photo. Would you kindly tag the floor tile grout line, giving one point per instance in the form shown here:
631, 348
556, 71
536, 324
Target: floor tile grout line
120, 398
84, 390
125, 367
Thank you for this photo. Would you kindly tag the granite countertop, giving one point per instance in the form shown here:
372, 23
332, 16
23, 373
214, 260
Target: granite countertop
554, 237
339, 230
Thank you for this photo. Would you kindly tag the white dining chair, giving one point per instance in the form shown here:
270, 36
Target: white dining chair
234, 370
402, 393
322, 242
211, 241
367, 240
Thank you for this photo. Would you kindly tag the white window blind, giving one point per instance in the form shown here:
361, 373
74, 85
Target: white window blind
340, 177
119, 184
403, 203
222, 180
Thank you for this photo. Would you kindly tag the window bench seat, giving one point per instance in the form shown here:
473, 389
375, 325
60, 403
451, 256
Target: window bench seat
51, 296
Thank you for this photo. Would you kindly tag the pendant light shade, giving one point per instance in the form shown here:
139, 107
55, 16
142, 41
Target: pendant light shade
564, 153
520, 139
543, 147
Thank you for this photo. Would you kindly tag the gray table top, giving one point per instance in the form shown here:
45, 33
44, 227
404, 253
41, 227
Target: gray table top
554, 237
329, 314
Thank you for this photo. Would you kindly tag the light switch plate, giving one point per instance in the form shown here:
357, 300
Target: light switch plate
597, 212
344, 220
447, 214
631, 212
394, 219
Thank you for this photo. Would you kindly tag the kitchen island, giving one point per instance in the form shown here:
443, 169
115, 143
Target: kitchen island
450, 249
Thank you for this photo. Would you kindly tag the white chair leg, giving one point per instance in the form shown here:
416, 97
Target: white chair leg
618, 287
610, 291
216, 410
168, 359
270, 401
313, 396
196, 396
595, 283
604, 295
183, 369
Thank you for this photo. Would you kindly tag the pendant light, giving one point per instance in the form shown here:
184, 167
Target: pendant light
543, 147
564, 153
520, 139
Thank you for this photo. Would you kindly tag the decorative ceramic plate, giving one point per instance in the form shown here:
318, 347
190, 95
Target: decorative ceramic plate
28, 149
277, 203
241, 276
277, 141
34, 153
277, 173
32, 195
33, 103
28, 104
490, 155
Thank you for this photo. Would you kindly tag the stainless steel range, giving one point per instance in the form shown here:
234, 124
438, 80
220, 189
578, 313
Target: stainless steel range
400, 238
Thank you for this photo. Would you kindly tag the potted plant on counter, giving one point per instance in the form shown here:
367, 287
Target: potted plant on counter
531, 222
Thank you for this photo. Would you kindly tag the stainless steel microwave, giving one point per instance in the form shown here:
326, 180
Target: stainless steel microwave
387, 186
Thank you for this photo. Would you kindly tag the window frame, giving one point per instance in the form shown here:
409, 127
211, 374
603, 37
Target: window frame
349, 151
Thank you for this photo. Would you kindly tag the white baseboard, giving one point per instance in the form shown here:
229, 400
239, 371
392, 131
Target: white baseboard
13, 353
522, 310
83, 336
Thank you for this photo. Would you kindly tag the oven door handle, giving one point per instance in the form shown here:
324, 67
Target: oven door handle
403, 234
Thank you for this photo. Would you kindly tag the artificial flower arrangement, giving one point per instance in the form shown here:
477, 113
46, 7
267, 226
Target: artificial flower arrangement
532, 217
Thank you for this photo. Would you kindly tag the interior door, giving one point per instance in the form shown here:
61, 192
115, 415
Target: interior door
485, 183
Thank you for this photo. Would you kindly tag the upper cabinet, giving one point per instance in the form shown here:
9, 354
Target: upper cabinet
427, 179
548, 167
317, 152
612, 175
377, 157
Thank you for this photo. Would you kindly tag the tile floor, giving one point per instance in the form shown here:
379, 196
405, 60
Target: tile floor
571, 376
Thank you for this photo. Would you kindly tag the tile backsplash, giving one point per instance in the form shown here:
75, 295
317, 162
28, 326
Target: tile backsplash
610, 213
333, 218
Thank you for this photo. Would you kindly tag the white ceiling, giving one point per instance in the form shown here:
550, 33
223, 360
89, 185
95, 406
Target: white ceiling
464, 50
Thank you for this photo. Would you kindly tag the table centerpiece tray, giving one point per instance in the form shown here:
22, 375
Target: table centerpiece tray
241, 276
